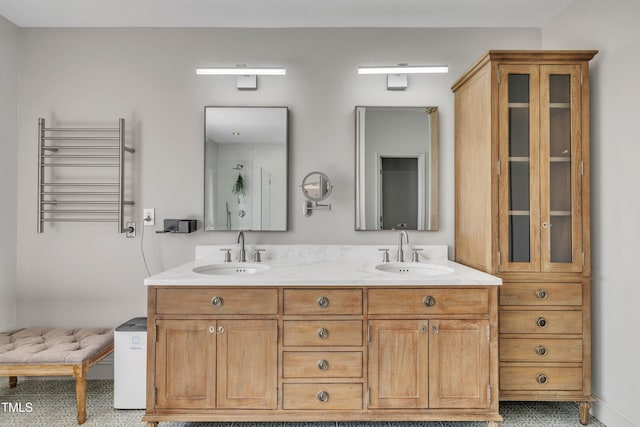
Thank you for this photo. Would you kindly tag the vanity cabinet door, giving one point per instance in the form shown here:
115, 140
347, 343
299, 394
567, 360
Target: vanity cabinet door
458, 364
186, 364
399, 364
247, 364
226, 364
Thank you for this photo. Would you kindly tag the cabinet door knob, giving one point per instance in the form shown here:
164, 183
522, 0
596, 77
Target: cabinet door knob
212, 329
542, 294
221, 329
323, 302
323, 365
217, 301
541, 322
322, 396
323, 333
429, 301
541, 350
542, 379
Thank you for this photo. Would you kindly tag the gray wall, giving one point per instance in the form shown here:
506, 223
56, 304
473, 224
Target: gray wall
87, 273
612, 28
8, 170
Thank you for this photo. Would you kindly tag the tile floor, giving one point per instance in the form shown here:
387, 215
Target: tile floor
52, 403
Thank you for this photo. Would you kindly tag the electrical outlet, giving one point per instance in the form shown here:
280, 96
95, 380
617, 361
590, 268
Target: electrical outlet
149, 216
131, 229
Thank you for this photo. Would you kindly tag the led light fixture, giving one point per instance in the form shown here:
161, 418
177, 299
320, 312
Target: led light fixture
247, 79
243, 71
404, 69
397, 74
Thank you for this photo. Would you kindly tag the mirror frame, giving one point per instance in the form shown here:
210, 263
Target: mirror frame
285, 178
432, 223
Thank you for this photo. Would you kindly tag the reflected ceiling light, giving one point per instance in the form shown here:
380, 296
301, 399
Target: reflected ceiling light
246, 75
397, 74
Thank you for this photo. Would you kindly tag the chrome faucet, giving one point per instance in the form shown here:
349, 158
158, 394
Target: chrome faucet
400, 257
243, 253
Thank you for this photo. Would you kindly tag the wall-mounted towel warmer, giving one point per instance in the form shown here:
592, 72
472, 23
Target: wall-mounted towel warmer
75, 182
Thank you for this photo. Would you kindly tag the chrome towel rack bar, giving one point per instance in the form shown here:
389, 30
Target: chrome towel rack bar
77, 150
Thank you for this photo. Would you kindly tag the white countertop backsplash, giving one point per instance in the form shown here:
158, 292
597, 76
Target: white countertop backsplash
324, 265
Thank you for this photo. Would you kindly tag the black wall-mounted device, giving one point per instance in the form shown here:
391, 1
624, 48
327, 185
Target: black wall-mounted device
180, 225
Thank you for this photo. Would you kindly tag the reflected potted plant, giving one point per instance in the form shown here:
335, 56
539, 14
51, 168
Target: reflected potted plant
238, 187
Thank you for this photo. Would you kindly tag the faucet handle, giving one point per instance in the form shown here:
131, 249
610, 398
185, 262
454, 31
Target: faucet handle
256, 256
415, 258
385, 255
227, 256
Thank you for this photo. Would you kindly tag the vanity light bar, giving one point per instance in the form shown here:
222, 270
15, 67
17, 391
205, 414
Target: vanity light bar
404, 69
243, 71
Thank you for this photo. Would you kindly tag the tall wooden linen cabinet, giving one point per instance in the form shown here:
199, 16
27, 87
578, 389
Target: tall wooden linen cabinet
522, 213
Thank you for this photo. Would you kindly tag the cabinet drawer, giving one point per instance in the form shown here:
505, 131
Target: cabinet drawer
541, 322
322, 301
318, 364
540, 378
322, 396
321, 333
540, 350
428, 301
541, 294
216, 301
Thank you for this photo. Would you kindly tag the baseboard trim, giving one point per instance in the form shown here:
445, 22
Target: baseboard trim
609, 415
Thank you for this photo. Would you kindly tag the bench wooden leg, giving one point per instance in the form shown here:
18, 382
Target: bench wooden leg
80, 374
13, 381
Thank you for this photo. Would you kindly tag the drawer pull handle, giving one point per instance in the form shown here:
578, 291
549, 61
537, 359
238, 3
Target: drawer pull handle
323, 396
541, 322
542, 379
541, 350
217, 301
323, 333
323, 302
429, 301
323, 365
542, 294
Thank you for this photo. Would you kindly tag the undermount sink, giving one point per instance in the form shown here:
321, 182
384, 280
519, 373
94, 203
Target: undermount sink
413, 268
232, 268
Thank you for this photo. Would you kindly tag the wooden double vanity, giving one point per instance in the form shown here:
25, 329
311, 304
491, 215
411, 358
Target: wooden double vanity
377, 347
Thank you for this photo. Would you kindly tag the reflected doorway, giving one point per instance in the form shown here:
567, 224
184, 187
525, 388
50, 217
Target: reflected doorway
400, 192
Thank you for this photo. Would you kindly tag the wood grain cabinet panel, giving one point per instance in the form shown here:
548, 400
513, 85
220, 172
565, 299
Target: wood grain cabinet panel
541, 350
428, 301
322, 364
216, 301
321, 333
322, 301
540, 378
541, 294
322, 396
399, 364
541, 322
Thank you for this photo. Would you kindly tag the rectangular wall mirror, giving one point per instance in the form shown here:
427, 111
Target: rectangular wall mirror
396, 168
245, 168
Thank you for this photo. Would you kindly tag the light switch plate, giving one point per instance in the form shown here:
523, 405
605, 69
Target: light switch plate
149, 216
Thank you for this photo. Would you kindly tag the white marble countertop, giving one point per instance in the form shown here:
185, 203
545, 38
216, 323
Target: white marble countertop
321, 265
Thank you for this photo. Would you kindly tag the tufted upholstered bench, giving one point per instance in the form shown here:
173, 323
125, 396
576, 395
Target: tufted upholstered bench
54, 351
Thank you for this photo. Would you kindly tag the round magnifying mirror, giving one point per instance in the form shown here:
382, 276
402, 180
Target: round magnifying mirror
316, 186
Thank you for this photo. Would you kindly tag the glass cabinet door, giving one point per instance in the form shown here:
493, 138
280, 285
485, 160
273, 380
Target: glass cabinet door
560, 168
540, 169
519, 168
